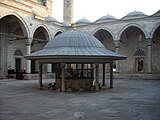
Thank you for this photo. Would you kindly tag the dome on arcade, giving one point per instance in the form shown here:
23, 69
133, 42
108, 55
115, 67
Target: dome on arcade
65, 24
107, 17
75, 46
134, 14
83, 21
50, 19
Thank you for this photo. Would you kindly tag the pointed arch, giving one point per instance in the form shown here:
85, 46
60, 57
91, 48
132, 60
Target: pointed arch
48, 34
41, 35
104, 28
130, 25
106, 38
57, 31
24, 23
154, 29
15, 33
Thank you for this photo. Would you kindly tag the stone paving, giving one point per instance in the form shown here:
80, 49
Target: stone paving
128, 100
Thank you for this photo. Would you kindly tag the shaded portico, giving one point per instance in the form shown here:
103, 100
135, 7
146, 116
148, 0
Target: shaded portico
75, 47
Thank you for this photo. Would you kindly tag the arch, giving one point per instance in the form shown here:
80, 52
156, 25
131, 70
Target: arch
104, 28
106, 38
45, 28
18, 26
57, 31
154, 29
27, 32
130, 25
156, 49
41, 35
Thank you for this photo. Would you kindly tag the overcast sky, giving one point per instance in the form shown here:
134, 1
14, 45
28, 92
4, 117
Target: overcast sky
94, 9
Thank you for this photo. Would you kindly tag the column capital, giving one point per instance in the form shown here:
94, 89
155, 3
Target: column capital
149, 41
28, 44
116, 42
28, 41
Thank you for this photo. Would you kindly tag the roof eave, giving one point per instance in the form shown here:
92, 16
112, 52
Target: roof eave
75, 59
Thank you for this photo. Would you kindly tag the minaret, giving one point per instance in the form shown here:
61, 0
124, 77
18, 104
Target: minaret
68, 11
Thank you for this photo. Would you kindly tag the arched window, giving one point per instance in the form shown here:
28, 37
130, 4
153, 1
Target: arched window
18, 52
139, 52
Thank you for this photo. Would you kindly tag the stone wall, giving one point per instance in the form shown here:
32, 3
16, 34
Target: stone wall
28, 8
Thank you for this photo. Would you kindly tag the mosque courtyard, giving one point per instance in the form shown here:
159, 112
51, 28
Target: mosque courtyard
128, 100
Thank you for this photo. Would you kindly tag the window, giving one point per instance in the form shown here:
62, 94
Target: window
18, 64
139, 65
42, 2
139, 52
18, 52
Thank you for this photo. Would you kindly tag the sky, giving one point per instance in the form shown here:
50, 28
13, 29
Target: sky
94, 9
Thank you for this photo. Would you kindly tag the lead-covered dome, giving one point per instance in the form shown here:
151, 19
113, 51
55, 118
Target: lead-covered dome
106, 18
83, 21
75, 39
50, 19
75, 45
134, 14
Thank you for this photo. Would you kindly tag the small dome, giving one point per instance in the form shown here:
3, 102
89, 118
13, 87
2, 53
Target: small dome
50, 19
83, 21
107, 17
65, 24
135, 13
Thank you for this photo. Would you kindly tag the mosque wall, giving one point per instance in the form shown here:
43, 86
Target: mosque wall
133, 36
18, 26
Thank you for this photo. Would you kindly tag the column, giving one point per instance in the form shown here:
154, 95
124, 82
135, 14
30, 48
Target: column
49, 68
28, 62
149, 40
63, 77
82, 67
97, 76
103, 82
117, 62
40, 76
117, 51
111, 75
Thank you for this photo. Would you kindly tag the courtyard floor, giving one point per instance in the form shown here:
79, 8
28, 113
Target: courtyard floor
128, 100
